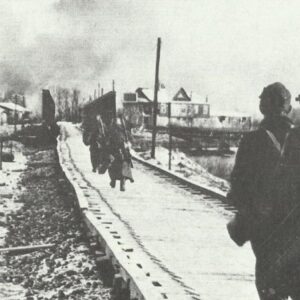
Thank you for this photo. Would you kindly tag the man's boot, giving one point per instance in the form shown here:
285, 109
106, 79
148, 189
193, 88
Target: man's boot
113, 183
122, 185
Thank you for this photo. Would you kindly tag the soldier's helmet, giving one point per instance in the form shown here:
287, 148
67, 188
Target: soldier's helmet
275, 99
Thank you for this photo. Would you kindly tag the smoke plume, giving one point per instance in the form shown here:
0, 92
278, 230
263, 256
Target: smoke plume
14, 78
218, 48
68, 48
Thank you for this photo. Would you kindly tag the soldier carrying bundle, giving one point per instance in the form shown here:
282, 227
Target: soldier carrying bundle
106, 134
119, 153
96, 138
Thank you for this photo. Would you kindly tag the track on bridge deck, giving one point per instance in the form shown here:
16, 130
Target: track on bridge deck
182, 231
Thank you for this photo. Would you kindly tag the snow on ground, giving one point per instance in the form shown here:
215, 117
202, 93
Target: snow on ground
7, 129
47, 215
186, 167
9, 190
10, 187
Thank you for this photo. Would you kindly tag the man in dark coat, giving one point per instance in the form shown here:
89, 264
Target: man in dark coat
121, 164
265, 188
95, 137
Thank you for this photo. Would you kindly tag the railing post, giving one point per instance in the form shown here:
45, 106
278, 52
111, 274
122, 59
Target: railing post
155, 100
1, 149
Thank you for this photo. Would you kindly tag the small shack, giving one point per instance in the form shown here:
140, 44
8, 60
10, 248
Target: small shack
12, 113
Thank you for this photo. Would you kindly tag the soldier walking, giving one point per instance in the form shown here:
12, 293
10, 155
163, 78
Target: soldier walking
120, 159
265, 188
96, 139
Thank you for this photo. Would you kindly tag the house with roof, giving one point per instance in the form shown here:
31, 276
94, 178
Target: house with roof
138, 106
9, 112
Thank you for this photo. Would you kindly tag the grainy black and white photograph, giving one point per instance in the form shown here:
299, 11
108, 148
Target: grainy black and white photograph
149, 150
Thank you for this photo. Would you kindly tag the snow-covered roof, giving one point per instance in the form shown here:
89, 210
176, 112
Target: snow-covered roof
2, 110
13, 106
165, 97
197, 98
162, 95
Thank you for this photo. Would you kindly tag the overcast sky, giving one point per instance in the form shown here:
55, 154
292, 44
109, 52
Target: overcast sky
226, 49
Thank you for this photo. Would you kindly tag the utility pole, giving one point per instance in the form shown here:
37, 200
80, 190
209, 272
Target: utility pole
156, 86
15, 114
113, 85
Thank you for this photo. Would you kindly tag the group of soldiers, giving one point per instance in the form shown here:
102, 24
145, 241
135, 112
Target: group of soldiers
109, 149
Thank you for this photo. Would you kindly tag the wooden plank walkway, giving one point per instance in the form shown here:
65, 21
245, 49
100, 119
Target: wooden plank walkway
182, 233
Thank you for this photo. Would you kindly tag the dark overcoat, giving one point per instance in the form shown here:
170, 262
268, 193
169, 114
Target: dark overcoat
121, 164
265, 189
95, 136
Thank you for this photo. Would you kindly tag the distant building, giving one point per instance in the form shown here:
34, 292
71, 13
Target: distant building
11, 113
182, 95
163, 96
138, 106
130, 97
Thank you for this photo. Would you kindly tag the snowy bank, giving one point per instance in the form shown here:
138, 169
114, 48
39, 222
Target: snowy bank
185, 167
